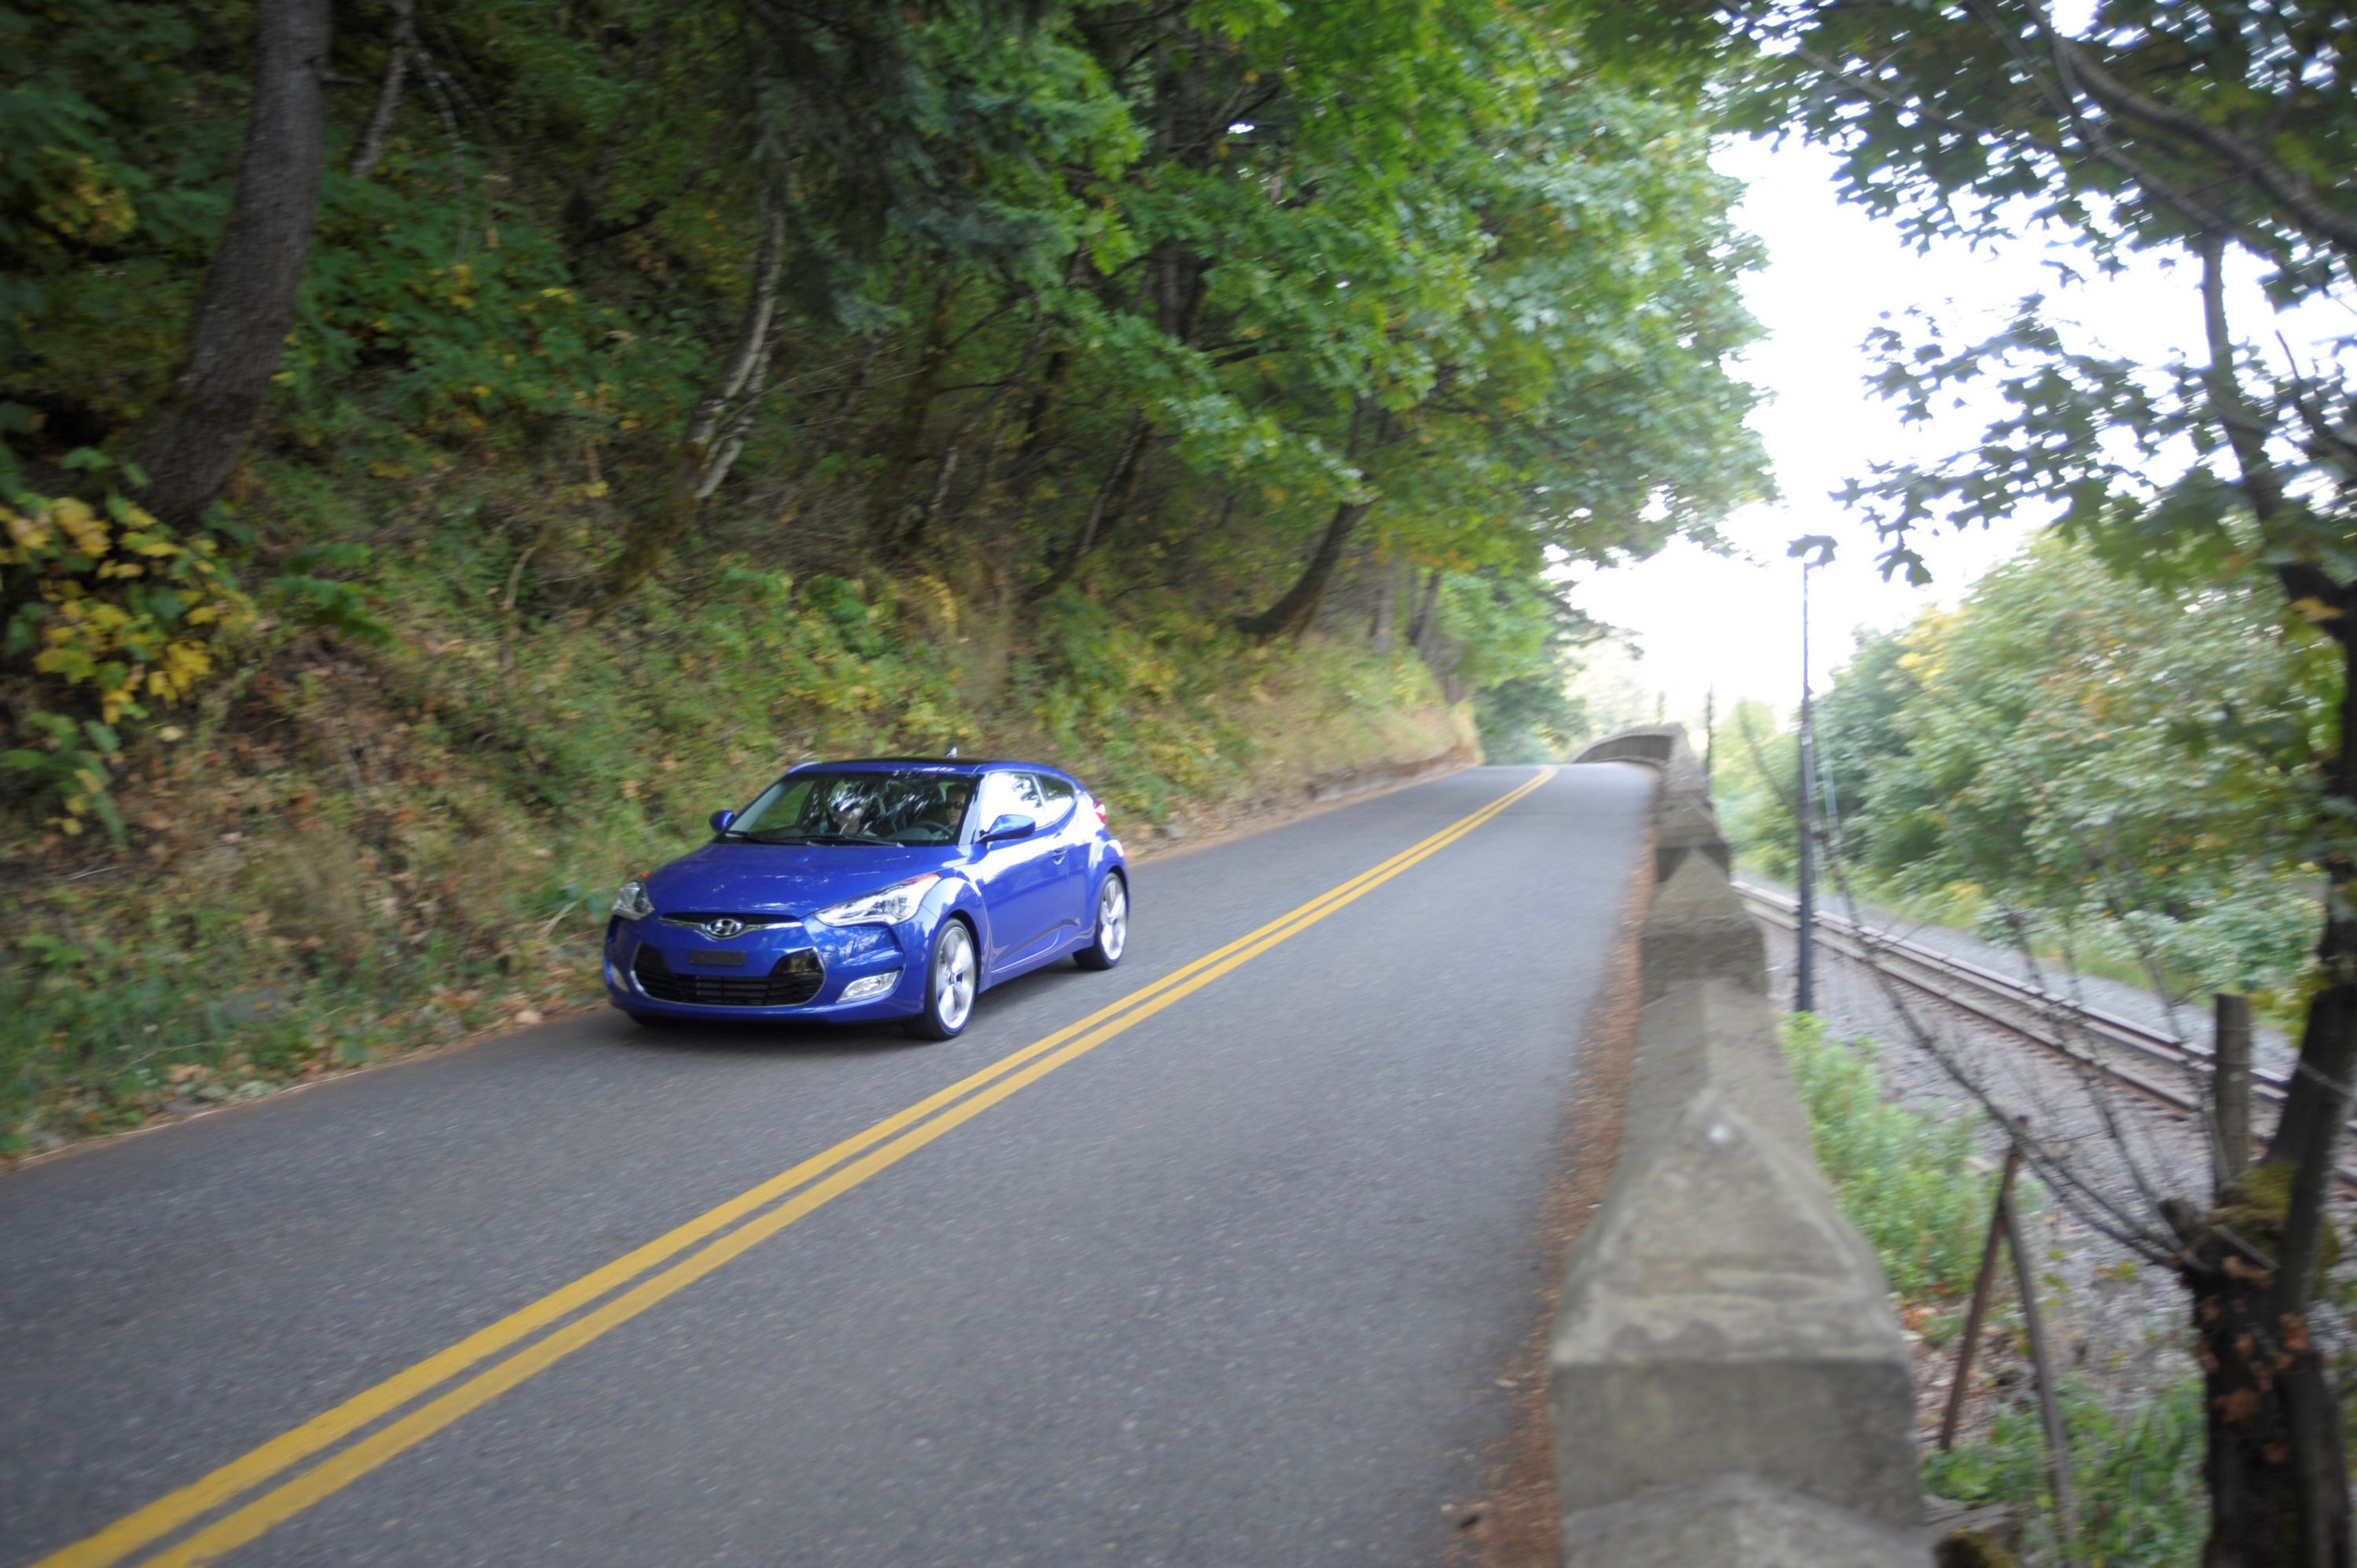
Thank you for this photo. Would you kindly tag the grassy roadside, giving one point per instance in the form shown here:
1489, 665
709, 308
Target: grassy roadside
1906, 1180
367, 847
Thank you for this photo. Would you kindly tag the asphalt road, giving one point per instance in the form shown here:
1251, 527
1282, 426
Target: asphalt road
1227, 1278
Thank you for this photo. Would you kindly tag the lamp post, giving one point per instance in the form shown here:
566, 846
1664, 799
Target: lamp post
1805, 969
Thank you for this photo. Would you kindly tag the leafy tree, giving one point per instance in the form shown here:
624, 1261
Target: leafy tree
2093, 750
1518, 640
938, 135
1857, 726
2195, 131
1191, 312
1754, 765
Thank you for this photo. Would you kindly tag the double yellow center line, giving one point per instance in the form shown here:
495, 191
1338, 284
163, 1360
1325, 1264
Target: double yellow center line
709, 1241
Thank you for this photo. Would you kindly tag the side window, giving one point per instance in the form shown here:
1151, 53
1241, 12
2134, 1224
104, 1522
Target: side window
1055, 797
1004, 794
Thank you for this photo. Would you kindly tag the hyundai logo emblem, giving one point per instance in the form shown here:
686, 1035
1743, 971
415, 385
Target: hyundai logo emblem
723, 927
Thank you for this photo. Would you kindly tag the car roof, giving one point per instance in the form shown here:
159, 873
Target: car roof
955, 765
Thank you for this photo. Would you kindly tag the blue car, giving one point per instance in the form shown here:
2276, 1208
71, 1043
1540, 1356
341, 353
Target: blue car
893, 887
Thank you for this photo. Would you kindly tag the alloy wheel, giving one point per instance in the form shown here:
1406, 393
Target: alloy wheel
1113, 919
953, 977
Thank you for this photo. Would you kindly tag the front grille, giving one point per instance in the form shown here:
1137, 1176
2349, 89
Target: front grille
791, 981
747, 922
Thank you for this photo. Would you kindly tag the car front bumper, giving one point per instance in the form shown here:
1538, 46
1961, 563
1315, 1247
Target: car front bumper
845, 955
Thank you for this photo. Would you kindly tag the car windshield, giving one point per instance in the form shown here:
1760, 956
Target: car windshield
854, 808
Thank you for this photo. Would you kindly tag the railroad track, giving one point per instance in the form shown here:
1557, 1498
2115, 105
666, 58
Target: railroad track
2133, 1054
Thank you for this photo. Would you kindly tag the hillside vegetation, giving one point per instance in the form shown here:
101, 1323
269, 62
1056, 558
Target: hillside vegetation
447, 453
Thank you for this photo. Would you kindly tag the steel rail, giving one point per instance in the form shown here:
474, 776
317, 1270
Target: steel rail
2003, 1000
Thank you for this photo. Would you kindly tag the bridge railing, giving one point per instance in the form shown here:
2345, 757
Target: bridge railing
1728, 1381
1655, 743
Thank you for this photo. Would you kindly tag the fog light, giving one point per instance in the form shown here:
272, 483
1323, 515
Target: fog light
872, 986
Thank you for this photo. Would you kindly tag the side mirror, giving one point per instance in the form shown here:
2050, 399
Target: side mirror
720, 820
1013, 825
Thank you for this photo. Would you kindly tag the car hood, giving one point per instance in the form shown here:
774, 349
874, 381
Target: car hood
788, 879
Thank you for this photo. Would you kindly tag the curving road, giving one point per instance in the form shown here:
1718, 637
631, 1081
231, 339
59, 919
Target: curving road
1213, 1260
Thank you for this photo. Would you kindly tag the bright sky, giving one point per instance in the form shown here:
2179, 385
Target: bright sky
1733, 624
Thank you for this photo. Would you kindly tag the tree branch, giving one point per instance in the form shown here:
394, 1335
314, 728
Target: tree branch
2288, 190
388, 98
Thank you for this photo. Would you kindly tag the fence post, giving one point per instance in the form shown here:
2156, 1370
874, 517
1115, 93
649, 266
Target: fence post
2231, 1086
1978, 1311
2041, 1362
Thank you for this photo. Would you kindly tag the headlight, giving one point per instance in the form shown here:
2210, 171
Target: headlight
630, 900
890, 908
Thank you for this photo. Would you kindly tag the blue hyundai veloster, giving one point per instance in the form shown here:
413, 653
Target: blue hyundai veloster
897, 887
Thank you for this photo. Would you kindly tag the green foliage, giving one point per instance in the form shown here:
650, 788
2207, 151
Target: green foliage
1530, 718
2129, 767
412, 334
106, 612
1754, 771
2137, 1476
86, 159
2113, 756
2130, 129
1518, 638
1901, 1177
1434, 260
1857, 725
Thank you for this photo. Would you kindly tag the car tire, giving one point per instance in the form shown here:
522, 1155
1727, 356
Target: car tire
1111, 937
953, 976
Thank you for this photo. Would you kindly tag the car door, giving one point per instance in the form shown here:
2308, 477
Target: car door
1018, 877
1067, 899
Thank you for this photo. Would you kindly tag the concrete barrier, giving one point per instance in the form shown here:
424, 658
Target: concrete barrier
1728, 1382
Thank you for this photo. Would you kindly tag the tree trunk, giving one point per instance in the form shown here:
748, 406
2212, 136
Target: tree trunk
904, 443
1111, 497
846, 398
2278, 1481
984, 417
187, 445
1297, 611
2273, 1463
2279, 1487
716, 429
1040, 411
1421, 624
388, 97
1386, 612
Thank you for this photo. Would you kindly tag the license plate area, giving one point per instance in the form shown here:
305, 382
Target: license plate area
716, 958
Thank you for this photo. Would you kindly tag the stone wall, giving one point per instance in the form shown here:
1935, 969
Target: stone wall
1729, 1385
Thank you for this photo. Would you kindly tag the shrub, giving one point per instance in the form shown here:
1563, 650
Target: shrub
1902, 1176
110, 611
2137, 1476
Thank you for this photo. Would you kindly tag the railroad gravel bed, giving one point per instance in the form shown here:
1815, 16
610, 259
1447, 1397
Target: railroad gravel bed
2188, 1018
